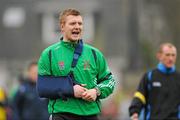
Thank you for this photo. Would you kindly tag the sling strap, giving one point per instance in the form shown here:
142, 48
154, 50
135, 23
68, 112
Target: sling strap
77, 53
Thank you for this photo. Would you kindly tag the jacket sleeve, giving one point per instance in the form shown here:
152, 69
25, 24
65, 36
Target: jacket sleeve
44, 63
105, 80
139, 99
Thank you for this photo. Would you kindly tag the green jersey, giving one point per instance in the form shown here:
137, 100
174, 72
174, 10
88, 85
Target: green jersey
91, 70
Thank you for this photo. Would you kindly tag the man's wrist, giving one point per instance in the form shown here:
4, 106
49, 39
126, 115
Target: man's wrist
98, 92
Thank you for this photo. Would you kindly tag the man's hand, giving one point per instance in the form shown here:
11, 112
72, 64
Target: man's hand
134, 116
79, 90
90, 95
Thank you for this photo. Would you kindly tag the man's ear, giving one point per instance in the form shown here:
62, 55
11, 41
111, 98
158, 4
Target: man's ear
62, 27
158, 56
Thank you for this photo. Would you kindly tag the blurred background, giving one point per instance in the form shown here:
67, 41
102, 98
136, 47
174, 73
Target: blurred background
128, 32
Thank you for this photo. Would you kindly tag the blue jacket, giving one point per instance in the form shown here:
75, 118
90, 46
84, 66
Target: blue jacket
27, 105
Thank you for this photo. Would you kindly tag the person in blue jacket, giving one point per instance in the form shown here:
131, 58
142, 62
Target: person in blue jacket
26, 103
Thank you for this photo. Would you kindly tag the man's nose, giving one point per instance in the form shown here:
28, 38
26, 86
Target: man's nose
77, 25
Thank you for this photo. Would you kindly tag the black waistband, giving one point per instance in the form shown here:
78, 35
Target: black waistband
74, 116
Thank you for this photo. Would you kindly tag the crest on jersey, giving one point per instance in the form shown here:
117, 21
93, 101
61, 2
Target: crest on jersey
61, 65
86, 65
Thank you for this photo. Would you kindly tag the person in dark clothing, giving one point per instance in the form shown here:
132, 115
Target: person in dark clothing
158, 91
26, 103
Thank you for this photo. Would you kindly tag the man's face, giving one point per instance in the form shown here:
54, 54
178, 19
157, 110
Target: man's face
72, 28
168, 56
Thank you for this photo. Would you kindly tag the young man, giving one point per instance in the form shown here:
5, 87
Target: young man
158, 91
91, 73
26, 103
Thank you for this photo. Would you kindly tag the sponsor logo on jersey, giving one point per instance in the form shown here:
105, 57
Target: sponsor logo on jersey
156, 84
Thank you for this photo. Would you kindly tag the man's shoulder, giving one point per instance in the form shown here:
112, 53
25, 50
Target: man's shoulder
150, 72
46, 50
23, 87
26, 85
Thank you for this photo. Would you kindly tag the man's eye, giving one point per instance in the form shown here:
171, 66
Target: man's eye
170, 55
72, 23
167, 54
173, 55
80, 23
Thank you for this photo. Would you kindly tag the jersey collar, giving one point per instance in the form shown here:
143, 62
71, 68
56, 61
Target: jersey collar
69, 44
164, 69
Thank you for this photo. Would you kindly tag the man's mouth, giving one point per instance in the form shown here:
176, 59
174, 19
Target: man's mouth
76, 33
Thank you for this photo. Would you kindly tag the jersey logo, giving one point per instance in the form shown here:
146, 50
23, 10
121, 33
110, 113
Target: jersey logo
86, 65
156, 84
61, 65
